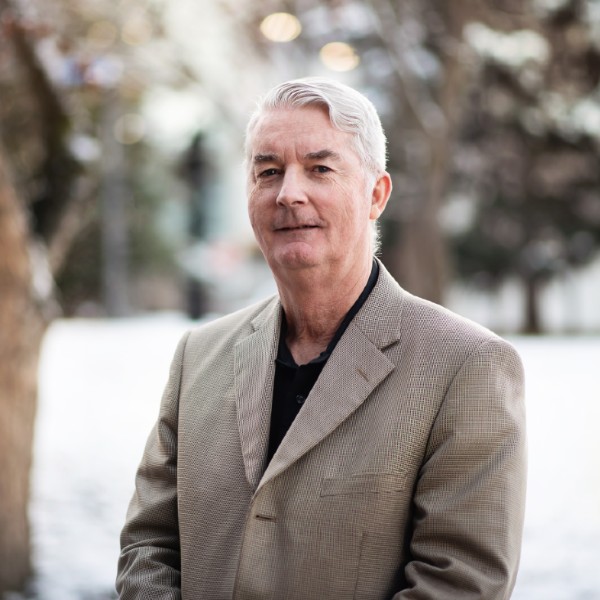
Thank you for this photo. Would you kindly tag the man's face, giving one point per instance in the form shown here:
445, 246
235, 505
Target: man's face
309, 197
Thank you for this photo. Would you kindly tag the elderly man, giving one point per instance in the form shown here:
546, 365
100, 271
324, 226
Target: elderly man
344, 439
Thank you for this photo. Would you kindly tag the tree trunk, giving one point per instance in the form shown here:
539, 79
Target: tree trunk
533, 324
419, 258
21, 330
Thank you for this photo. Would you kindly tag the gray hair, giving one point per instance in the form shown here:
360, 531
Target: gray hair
348, 111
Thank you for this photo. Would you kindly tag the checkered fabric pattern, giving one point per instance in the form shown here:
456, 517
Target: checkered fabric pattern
403, 476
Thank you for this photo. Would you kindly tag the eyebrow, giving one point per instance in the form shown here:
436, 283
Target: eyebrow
319, 155
265, 158
322, 154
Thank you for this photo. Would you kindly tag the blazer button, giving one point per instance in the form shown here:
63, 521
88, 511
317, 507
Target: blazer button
300, 399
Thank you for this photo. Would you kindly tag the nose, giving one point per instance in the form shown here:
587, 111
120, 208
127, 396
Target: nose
293, 189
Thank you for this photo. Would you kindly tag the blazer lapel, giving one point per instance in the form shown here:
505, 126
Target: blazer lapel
355, 368
254, 374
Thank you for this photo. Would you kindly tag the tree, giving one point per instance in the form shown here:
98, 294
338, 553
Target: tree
528, 160
34, 237
422, 41
21, 330
53, 83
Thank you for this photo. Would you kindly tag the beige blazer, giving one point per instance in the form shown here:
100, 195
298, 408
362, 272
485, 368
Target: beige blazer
402, 477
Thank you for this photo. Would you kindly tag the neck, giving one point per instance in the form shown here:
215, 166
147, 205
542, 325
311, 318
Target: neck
315, 305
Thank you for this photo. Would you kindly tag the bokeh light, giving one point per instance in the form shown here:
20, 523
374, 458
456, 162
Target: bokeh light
339, 56
281, 27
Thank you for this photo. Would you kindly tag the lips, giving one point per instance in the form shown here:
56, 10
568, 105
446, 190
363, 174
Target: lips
296, 227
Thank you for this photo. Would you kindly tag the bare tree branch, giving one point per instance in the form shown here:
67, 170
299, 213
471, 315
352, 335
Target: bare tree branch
424, 109
73, 221
59, 168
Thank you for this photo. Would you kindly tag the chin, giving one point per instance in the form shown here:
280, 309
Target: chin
296, 264
295, 256
294, 260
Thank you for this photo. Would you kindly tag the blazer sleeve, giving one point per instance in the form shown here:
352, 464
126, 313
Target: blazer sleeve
470, 496
149, 564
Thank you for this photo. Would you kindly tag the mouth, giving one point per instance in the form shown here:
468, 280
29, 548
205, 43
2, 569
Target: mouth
296, 227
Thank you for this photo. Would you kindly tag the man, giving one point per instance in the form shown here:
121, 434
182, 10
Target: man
345, 439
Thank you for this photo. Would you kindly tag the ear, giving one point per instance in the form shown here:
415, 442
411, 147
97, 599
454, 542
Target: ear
380, 196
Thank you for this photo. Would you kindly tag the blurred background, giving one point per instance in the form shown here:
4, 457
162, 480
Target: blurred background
123, 222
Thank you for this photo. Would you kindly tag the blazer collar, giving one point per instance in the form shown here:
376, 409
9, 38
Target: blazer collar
254, 359
353, 371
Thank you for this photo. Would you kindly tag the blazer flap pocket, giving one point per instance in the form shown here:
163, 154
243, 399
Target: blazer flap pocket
363, 483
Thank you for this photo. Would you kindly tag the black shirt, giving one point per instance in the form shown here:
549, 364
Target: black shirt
294, 382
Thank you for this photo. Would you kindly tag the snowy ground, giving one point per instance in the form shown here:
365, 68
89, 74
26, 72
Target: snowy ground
100, 388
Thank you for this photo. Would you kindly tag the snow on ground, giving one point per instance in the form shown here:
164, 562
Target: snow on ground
100, 388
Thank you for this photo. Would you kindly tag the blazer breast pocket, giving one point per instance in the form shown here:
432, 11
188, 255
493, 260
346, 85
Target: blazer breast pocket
363, 483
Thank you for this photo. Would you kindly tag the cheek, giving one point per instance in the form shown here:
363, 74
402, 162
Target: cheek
356, 210
259, 217
259, 195
254, 215
253, 206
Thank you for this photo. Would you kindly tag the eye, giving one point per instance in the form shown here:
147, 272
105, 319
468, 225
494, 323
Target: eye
322, 169
268, 173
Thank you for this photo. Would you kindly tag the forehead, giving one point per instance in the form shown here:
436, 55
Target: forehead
307, 129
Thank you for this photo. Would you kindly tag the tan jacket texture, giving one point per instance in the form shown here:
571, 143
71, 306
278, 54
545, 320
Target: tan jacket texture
403, 476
